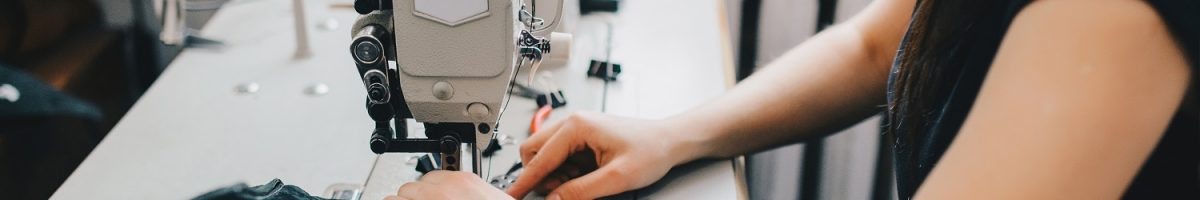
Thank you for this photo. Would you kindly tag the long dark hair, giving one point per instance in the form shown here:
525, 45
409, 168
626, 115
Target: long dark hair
944, 39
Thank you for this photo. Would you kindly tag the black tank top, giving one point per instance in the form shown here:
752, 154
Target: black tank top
1171, 172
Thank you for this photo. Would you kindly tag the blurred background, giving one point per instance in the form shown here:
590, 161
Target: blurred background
81, 64
841, 166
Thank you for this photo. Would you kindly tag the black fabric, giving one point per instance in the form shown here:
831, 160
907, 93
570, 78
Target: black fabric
22, 95
44, 135
18, 21
1173, 169
269, 191
1171, 172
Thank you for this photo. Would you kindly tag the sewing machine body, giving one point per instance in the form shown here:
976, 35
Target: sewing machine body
446, 63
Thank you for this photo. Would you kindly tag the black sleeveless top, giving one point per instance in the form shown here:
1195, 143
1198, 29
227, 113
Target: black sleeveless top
1171, 172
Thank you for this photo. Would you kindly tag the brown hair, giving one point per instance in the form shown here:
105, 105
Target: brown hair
944, 38
912, 88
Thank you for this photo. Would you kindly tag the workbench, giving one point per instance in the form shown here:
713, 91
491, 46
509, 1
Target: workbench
247, 111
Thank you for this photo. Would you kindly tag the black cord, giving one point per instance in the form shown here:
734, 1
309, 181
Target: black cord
610, 68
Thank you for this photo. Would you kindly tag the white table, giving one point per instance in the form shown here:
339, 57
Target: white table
193, 131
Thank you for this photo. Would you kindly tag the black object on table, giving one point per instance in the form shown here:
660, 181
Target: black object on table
275, 189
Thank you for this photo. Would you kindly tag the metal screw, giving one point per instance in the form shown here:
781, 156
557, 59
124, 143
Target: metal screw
317, 89
247, 88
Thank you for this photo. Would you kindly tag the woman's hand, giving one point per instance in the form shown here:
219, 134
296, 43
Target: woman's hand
613, 155
441, 184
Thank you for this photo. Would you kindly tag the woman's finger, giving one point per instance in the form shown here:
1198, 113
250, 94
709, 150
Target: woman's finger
535, 141
549, 184
444, 177
413, 190
547, 158
564, 173
606, 181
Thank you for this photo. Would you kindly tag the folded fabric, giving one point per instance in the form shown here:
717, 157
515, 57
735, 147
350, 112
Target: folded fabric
275, 189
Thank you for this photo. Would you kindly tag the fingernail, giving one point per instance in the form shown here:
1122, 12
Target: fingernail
553, 197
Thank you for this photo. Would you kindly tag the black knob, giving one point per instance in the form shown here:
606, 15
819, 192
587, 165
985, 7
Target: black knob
367, 52
380, 112
366, 6
449, 144
378, 145
367, 47
377, 93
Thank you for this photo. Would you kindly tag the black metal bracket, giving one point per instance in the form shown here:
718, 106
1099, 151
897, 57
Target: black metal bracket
604, 70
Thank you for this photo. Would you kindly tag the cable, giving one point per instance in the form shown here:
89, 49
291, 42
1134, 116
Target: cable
488, 174
607, 59
372, 172
510, 90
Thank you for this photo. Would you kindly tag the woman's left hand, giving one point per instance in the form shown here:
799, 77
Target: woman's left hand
441, 184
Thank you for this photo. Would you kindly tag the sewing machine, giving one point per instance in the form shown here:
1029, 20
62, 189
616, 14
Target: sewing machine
251, 111
448, 64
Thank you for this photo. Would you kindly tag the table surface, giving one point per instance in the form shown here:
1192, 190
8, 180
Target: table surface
193, 131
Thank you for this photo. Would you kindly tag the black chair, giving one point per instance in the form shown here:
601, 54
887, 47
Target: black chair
44, 135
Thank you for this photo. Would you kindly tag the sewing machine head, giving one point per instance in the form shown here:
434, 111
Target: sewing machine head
454, 60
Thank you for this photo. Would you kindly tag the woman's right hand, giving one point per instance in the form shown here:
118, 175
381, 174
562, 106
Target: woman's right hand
593, 155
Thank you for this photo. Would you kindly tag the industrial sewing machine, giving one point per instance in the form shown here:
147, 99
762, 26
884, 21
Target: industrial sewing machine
449, 64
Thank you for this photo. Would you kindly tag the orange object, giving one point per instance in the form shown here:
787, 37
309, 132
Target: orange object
539, 117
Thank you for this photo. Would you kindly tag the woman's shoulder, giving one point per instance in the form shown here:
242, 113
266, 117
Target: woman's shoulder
1093, 13
1180, 19
1120, 27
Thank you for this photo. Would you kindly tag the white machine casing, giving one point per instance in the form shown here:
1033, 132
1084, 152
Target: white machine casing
456, 58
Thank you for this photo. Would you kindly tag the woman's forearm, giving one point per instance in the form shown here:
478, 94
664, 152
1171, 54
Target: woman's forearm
831, 81
818, 87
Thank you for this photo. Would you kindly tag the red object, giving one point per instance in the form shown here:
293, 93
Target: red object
539, 117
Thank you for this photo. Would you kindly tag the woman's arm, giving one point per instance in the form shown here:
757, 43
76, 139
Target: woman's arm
1078, 96
831, 81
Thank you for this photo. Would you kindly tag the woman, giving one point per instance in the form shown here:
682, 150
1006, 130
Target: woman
1050, 99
